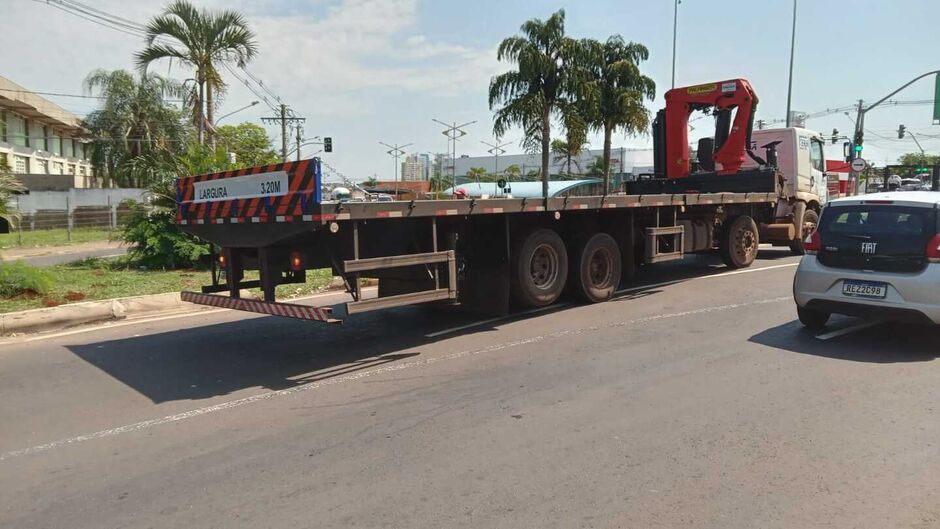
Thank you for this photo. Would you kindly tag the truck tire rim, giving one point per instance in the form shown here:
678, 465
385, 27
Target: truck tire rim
745, 243
599, 268
543, 267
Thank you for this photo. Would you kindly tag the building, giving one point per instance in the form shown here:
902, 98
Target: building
624, 163
416, 167
44, 145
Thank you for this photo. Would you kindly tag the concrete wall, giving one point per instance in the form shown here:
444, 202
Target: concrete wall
37, 201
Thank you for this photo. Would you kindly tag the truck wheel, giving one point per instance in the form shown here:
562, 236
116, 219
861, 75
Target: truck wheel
596, 273
810, 220
539, 269
812, 319
739, 241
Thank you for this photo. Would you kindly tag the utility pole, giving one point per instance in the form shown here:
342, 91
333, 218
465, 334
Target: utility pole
453, 133
300, 132
862, 110
792, 48
284, 119
760, 124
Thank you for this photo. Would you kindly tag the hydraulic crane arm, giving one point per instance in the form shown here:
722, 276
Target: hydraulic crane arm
731, 138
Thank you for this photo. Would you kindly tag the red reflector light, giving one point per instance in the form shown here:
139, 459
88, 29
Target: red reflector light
813, 243
296, 261
933, 249
222, 259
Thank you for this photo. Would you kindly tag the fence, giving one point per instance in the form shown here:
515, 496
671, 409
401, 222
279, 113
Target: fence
76, 209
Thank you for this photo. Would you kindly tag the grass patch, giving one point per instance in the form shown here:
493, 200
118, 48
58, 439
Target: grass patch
55, 237
94, 279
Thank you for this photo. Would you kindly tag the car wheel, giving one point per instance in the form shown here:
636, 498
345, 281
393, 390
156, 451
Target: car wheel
812, 319
810, 220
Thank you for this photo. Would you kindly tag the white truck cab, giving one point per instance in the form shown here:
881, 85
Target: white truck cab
801, 159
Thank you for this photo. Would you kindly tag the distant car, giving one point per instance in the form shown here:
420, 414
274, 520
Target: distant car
912, 184
873, 256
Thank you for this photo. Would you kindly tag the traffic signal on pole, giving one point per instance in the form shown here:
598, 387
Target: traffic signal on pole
901, 129
327, 144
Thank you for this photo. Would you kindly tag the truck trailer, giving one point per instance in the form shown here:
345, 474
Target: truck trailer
491, 254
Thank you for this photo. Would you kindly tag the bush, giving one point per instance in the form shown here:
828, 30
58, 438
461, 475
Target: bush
19, 278
158, 242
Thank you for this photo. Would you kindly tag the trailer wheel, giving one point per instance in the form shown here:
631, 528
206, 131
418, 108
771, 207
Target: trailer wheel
739, 241
539, 269
595, 274
810, 220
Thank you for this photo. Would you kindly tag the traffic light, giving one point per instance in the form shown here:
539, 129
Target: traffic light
922, 170
327, 144
901, 129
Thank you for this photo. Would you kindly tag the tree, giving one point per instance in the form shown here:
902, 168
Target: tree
249, 142
9, 186
203, 40
918, 159
542, 85
134, 121
613, 96
513, 172
477, 174
569, 150
596, 167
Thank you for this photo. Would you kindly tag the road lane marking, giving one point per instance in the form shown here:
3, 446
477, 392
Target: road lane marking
849, 330
624, 291
143, 425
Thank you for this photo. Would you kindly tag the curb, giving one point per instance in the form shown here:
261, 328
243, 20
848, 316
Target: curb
37, 320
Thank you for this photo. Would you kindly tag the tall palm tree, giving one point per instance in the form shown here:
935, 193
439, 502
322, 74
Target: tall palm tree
203, 40
614, 93
134, 120
542, 85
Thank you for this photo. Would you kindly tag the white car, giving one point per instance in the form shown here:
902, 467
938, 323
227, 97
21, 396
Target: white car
874, 256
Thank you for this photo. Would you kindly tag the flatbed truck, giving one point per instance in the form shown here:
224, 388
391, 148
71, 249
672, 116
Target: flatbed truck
486, 254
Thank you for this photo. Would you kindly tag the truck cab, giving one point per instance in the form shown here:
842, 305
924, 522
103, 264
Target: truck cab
802, 162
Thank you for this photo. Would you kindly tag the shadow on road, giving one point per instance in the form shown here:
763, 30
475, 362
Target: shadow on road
200, 361
884, 343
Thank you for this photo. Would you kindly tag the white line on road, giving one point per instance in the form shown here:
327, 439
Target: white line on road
848, 330
360, 375
624, 291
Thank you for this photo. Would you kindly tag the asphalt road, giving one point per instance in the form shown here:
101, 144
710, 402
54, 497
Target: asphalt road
695, 402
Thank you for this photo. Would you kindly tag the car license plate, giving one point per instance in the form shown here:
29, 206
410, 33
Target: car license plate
864, 289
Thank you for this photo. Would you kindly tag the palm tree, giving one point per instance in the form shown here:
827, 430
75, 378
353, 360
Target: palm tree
477, 174
513, 172
204, 40
569, 150
9, 185
134, 120
542, 85
613, 97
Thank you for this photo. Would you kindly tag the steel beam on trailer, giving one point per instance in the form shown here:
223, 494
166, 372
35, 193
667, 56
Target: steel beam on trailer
396, 261
411, 298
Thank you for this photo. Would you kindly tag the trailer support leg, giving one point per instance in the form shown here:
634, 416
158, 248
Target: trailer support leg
269, 274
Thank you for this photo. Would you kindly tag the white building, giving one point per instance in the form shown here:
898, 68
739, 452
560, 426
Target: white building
44, 145
416, 167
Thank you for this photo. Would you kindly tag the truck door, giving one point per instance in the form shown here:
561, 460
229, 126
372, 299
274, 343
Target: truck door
817, 161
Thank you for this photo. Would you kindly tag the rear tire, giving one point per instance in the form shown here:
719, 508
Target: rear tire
596, 269
539, 269
810, 221
812, 319
739, 242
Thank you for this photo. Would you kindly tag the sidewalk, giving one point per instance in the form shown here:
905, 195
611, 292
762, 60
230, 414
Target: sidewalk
52, 255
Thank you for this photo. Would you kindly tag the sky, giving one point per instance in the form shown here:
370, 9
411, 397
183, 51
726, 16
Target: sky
370, 71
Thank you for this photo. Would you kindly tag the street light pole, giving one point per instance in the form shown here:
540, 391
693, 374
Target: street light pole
675, 26
453, 133
395, 151
792, 49
496, 149
253, 103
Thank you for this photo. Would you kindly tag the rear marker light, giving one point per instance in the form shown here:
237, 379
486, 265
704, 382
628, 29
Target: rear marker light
933, 249
296, 262
812, 243
222, 259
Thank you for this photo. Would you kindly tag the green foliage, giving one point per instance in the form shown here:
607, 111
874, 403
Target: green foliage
916, 158
203, 40
158, 242
477, 174
513, 172
9, 185
136, 131
570, 151
542, 85
18, 278
249, 142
